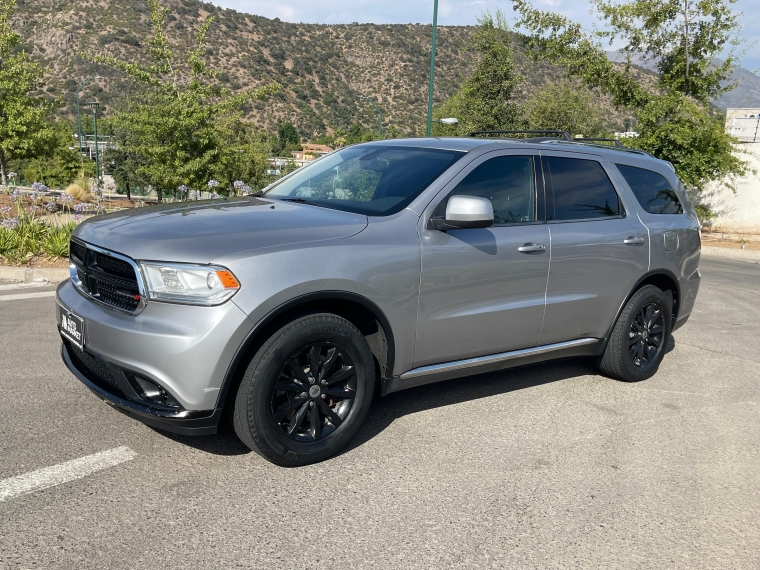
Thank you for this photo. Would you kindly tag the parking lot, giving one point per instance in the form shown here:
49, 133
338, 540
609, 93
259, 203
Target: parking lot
547, 466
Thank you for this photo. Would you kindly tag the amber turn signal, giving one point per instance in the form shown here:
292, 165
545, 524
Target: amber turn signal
228, 280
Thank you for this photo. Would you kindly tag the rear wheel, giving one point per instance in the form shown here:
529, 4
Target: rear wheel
639, 338
306, 391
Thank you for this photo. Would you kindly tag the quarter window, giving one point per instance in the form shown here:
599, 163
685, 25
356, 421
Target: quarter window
508, 182
581, 190
652, 190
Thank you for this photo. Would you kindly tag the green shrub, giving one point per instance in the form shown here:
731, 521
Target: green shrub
7, 241
32, 237
56, 242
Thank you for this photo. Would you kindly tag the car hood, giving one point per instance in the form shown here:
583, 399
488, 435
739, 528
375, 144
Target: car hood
202, 232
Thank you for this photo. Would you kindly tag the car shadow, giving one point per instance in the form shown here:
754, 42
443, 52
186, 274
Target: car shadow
224, 442
386, 410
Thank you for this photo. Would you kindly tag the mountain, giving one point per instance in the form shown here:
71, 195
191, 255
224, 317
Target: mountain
324, 69
745, 94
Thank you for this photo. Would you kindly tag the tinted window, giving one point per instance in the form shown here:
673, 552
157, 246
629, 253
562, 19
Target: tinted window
653, 192
366, 179
582, 190
508, 181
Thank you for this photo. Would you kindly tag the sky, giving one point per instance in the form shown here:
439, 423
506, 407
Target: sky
450, 12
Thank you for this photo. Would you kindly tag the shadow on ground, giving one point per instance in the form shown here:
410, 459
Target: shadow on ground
385, 411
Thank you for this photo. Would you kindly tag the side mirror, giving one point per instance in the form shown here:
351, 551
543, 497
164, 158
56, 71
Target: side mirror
465, 212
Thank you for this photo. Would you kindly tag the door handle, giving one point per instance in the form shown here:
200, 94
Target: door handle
631, 240
532, 248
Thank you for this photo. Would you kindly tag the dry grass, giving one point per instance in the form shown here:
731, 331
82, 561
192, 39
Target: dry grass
78, 192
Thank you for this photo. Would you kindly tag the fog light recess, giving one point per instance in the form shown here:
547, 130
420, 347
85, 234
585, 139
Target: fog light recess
152, 392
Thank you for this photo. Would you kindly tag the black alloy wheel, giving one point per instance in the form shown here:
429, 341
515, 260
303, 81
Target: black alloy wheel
645, 339
306, 390
315, 392
638, 340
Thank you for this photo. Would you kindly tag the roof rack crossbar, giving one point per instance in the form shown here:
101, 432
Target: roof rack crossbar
564, 134
584, 139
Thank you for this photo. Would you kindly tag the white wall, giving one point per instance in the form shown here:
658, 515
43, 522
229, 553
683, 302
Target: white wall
738, 212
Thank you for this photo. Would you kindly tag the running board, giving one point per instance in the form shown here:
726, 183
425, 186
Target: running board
480, 364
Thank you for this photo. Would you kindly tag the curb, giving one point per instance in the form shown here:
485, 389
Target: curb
753, 256
29, 274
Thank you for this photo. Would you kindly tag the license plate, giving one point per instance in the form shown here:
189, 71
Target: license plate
72, 327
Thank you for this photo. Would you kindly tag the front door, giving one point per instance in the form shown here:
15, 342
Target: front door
599, 248
482, 290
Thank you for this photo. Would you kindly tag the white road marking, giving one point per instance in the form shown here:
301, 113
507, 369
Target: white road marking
63, 472
24, 285
27, 296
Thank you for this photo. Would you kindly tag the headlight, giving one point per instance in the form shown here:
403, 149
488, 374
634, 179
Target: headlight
189, 284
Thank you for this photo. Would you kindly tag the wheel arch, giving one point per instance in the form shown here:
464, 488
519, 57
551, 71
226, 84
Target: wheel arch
661, 278
359, 310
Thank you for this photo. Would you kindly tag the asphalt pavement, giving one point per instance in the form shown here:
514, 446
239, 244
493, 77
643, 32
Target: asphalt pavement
547, 466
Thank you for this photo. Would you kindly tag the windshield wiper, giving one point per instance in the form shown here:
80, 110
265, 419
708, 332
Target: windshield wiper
297, 201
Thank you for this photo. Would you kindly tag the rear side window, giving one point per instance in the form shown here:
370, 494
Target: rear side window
581, 190
508, 182
652, 190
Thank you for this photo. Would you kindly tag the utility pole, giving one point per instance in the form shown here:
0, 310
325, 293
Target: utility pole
432, 70
95, 105
79, 114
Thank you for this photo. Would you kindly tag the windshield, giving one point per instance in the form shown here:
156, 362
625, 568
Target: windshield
372, 180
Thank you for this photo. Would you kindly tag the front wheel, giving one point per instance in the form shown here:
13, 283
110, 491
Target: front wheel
306, 391
638, 341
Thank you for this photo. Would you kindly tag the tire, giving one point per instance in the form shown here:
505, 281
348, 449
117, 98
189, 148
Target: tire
290, 420
638, 342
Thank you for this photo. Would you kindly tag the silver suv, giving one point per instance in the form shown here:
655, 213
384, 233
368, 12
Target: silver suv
380, 267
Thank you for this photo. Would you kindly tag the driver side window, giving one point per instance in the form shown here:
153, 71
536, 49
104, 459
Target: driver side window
509, 182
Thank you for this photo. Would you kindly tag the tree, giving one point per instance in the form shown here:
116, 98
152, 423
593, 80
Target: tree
124, 162
288, 137
58, 163
672, 123
173, 126
681, 131
245, 154
682, 37
485, 102
566, 107
23, 119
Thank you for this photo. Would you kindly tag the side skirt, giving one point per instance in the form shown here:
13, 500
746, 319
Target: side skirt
482, 364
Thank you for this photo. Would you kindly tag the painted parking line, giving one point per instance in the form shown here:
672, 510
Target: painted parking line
20, 296
63, 472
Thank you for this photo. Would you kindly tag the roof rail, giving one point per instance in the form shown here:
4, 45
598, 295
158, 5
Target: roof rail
584, 139
564, 134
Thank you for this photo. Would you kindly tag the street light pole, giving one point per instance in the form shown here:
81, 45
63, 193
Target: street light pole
95, 105
432, 70
79, 114
379, 112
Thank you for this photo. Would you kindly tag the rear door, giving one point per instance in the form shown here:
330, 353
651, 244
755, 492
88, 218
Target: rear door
599, 247
482, 290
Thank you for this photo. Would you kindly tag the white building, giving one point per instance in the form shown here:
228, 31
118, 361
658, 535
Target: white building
739, 212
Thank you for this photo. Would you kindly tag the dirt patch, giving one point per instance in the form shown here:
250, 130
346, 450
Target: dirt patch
40, 261
731, 241
5, 201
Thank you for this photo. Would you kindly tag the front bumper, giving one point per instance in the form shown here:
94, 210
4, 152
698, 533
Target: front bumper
186, 350
184, 422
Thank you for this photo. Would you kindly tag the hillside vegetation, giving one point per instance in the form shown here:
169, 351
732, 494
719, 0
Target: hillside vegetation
323, 68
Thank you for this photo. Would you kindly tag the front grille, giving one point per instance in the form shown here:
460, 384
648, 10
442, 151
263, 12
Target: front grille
78, 252
114, 266
108, 279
